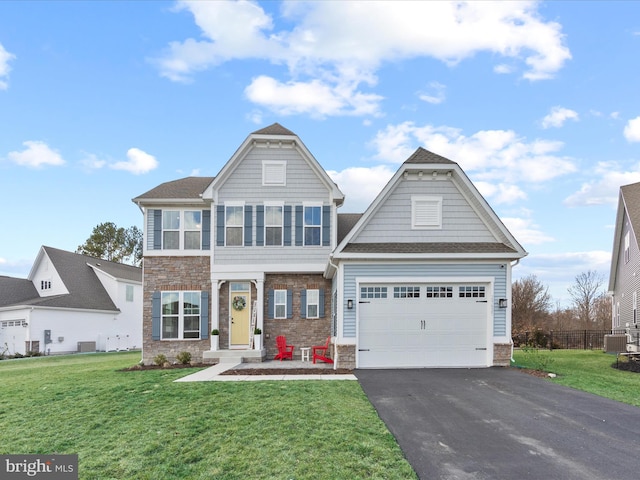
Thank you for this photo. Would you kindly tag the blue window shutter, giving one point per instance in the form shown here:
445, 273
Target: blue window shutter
289, 304
271, 306
220, 225
248, 224
287, 225
206, 229
204, 315
326, 226
155, 316
303, 304
259, 225
157, 229
321, 303
299, 225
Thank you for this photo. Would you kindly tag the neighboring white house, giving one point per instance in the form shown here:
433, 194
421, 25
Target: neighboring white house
71, 303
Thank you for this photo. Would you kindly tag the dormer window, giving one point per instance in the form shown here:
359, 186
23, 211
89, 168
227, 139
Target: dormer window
45, 284
274, 172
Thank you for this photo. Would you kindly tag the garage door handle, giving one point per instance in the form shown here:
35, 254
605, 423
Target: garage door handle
364, 350
481, 301
481, 348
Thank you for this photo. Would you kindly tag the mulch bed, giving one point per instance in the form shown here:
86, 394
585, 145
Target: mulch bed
287, 371
137, 367
629, 366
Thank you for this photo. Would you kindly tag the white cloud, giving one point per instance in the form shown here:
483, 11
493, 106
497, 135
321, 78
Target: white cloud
525, 231
437, 94
36, 155
632, 130
605, 190
500, 193
558, 116
139, 162
5, 58
490, 154
92, 162
361, 185
336, 47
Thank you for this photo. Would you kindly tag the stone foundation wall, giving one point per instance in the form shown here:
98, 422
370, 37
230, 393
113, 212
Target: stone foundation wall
300, 332
173, 274
501, 354
346, 356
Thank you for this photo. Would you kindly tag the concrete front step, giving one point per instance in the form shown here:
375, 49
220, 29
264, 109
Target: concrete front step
234, 356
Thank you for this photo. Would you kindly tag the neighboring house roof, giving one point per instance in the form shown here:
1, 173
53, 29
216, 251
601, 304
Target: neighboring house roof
182, 189
77, 274
346, 221
629, 204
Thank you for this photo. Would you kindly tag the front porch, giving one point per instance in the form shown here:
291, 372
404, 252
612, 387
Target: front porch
234, 356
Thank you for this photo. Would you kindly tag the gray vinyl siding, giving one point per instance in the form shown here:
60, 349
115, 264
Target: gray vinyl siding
245, 184
392, 221
494, 270
626, 279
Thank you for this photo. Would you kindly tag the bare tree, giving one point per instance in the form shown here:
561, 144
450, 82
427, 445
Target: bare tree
602, 312
584, 292
530, 304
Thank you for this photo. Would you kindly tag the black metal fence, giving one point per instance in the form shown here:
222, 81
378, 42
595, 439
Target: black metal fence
564, 339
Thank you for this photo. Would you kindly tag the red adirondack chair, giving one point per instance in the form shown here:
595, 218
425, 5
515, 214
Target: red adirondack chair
284, 350
322, 352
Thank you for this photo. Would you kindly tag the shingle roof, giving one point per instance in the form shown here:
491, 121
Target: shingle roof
16, 290
425, 156
396, 247
346, 221
275, 129
85, 289
189, 187
631, 196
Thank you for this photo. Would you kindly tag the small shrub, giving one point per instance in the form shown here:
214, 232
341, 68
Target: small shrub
541, 362
160, 359
257, 331
215, 331
184, 357
18, 355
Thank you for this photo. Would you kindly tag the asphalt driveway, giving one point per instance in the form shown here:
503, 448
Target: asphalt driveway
498, 423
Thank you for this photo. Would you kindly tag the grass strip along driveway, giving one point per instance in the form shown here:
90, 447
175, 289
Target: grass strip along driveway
142, 425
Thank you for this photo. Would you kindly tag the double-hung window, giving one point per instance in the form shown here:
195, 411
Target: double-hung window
313, 303
180, 315
280, 303
234, 224
312, 225
178, 224
273, 225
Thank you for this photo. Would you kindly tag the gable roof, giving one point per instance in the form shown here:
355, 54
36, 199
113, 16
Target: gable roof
279, 134
424, 161
189, 188
77, 273
629, 205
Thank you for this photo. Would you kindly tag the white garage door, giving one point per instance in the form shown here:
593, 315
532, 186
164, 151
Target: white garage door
423, 325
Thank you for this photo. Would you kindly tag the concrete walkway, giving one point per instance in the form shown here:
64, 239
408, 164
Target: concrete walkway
212, 374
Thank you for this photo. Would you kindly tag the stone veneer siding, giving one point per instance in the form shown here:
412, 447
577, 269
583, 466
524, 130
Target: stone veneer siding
300, 332
346, 356
170, 274
501, 354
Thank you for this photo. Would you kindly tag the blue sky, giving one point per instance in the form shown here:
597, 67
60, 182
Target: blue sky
537, 101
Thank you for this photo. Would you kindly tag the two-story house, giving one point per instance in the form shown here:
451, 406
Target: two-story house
624, 278
422, 278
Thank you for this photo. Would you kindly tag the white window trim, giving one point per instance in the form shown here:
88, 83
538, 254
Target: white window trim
181, 316
181, 229
233, 204
626, 248
276, 303
316, 303
274, 204
306, 205
268, 167
635, 308
430, 201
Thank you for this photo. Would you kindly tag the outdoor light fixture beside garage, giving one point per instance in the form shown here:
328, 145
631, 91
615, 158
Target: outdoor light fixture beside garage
502, 303
349, 304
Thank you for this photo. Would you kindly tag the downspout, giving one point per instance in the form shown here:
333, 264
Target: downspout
335, 345
513, 359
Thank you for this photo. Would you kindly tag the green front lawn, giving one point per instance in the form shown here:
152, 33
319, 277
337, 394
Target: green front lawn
587, 370
141, 425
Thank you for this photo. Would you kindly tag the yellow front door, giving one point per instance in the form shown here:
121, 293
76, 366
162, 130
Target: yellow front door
240, 317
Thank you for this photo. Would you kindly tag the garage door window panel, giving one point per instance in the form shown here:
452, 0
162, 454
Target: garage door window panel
471, 292
439, 292
406, 292
373, 292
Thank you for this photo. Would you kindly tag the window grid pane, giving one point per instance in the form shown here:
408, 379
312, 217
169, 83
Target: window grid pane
439, 292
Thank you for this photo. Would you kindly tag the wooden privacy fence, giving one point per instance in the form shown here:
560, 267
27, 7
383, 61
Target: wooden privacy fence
564, 339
